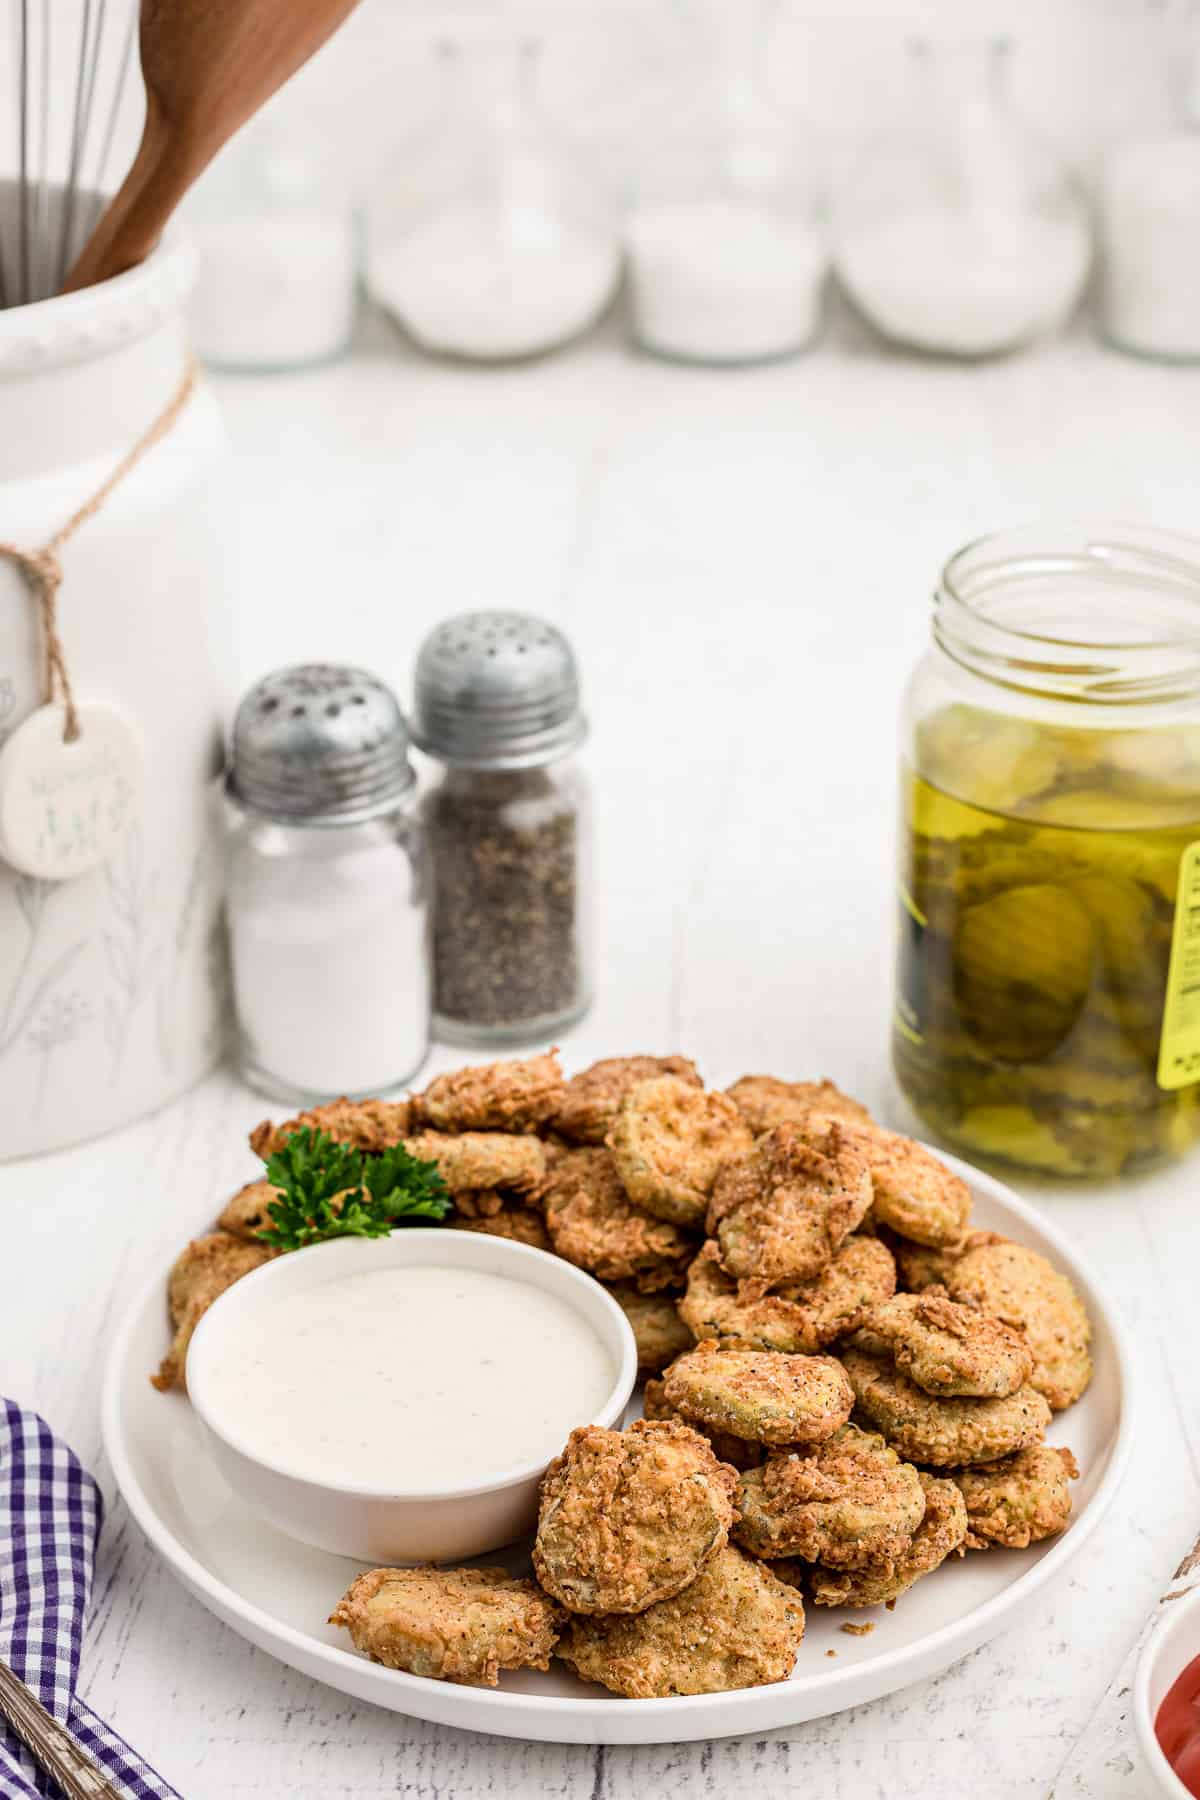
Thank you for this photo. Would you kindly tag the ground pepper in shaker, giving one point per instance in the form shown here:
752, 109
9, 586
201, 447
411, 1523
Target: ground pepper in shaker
328, 888
497, 705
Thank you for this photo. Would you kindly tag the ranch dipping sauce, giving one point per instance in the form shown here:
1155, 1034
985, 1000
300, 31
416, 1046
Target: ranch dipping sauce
413, 1380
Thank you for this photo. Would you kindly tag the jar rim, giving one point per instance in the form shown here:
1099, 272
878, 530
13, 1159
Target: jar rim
1105, 614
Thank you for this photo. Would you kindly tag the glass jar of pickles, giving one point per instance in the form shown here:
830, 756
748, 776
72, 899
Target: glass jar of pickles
1048, 978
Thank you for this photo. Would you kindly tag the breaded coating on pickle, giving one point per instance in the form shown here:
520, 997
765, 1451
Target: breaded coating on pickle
592, 1099
941, 1532
658, 1330
595, 1225
848, 1502
669, 1141
802, 1316
781, 1211
462, 1625
918, 1266
199, 1275
517, 1223
245, 1215
483, 1159
739, 1453
945, 1433
1018, 1285
760, 1394
499, 1096
735, 1626
764, 1102
948, 1348
1019, 1501
369, 1125
630, 1517
915, 1194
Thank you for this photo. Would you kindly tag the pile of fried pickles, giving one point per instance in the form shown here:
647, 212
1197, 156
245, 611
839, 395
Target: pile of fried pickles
845, 1386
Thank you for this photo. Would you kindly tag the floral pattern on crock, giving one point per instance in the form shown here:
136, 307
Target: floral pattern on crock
132, 955
27, 991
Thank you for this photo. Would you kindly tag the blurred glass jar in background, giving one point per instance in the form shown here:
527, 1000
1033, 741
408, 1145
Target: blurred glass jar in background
960, 233
1049, 882
1149, 217
726, 252
278, 262
490, 242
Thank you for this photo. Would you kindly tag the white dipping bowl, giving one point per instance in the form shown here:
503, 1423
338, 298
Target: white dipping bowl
1169, 1649
375, 1524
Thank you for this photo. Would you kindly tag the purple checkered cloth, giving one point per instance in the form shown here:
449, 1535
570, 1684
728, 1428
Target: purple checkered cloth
50, 1517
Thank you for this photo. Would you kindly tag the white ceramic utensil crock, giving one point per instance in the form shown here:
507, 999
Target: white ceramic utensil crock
111, 987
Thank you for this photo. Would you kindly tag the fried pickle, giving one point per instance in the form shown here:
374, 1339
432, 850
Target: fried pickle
849, 1502
630, 1517
245, 1215
1018, 1285
914, 1193
735, 1626
802, 1316
764, 1102
945, 1433
948, 1348
200, 1275
739, 1453
658, 1330
669, 1141
1019, 1501
368, 1125
762, 1395
516, 1223
591, 1100
500, 1096
483, 1160
942, 1531
595, 1225
461, 1625
780, 1212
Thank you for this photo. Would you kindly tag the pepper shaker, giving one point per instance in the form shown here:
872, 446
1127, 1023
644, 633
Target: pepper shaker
497, 706
328, 888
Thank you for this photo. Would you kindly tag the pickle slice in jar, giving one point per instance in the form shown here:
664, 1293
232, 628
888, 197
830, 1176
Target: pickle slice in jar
1023, 964
986, 759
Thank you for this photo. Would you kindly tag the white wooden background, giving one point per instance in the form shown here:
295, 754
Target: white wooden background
743, 561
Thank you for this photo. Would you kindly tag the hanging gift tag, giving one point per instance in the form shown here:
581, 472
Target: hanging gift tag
64, 806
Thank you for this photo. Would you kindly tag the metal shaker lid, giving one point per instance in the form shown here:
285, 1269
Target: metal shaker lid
497, 690
319, 744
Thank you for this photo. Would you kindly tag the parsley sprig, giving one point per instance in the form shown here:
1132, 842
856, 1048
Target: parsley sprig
329, 1190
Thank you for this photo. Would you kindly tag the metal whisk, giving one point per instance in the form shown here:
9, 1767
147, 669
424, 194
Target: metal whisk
70, 74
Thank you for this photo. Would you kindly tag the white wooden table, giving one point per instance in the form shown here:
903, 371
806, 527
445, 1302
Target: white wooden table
743, 561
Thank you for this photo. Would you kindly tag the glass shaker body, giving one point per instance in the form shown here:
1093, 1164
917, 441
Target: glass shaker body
329, 933
511, 855
490, 243
727, 256
1049, 843
1149, 215
960, 233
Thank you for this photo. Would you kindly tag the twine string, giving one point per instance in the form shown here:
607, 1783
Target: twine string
42, 568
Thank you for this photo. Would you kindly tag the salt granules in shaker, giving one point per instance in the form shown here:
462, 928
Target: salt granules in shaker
328, 888
497, 706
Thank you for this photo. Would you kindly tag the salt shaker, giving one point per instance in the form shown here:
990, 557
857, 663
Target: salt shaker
498, 707
328, 887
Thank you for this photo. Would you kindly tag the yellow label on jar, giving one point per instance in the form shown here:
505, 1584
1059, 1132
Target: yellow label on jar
1179, 1050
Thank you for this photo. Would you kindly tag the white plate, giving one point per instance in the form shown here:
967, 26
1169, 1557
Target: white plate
277, 1593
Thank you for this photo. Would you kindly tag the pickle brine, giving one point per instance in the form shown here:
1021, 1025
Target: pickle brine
1039, 867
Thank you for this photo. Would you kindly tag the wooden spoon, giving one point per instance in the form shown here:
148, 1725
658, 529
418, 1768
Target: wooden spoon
208, 66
